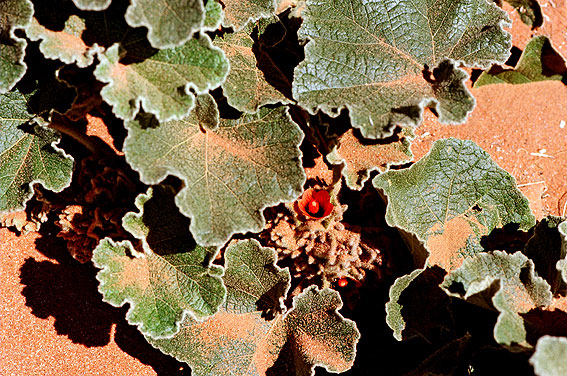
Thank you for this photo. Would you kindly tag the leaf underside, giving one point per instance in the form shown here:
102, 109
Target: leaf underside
231, 173
385, 61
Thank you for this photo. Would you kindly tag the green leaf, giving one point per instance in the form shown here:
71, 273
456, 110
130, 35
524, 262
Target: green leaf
161, 82
28, 153
245, 87
385, 61
360, 157
394, 317
65, 45
562, 264
170, 23
451, 198
237, 13
550, 356
508, 282
529, 11
230, 173
92, 4
539, 62
240, 341
172, 277
213, 15
15, 14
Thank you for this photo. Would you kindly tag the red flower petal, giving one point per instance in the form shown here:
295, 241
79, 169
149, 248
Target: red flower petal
315, 204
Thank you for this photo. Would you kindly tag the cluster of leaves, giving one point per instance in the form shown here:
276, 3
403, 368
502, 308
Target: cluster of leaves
221, 95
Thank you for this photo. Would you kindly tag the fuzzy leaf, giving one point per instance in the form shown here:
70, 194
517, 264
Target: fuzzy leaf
529, 11
360, 156
230, 173
562, 264
172, 277
550, 356
92, 4
213, 15
27, 153
394, 317
14, 14
451, 198
374, 58
245, 87
170, 23
161, 82
237, 13
239, 341
509, 282
539, 62
65, 45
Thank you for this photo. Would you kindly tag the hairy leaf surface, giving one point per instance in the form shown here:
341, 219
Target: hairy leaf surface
237, 13
529, 11
539, 62
240, 341
171, 277
385, 61
92, 4
65, 45
27, 153
550, 356
360, 157
213, 15
231, 173
245, 87
506, 281
162, 81
14, 14
170, 23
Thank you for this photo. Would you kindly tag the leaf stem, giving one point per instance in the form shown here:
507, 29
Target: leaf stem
61, 124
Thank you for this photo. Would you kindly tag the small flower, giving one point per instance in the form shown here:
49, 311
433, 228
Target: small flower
342, 282
315, 204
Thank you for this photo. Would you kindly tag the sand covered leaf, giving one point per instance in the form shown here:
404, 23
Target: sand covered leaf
14, 14
361, 156
451, 198
170, 23
538, 62
172, 277
161, 82
213, 15
66, 45
92, 4
505, 281
237, 13
385, 61
240, 340
231, 173
550, 356
245, 87
28, 153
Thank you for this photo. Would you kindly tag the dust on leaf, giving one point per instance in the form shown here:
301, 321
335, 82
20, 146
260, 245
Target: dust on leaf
237, 13
230, 173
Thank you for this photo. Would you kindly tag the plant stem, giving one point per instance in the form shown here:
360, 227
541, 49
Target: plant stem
59, 123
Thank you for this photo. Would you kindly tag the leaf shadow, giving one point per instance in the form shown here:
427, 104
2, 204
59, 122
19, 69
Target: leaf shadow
66, 290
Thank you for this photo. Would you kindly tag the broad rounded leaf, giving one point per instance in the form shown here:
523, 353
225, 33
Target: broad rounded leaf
360, 157
539, 62
384, 61
239, 341
161, 82
213, 15
27, 154
550, 356
170, 23
245, 87
65, 45
92, 4
237, 13
451, 198
230, 173
509, 282
171, 278
14, 14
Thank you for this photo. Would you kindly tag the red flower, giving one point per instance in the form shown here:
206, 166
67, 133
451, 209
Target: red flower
315, 204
